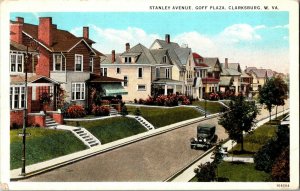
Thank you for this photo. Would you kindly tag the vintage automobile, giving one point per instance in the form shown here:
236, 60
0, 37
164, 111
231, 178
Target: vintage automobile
205, 137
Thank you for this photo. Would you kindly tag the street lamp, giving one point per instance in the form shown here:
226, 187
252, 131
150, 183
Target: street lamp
205, 96
33, 45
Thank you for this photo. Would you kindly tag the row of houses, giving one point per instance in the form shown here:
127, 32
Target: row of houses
65, 62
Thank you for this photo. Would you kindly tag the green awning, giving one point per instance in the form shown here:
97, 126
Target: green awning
114, 89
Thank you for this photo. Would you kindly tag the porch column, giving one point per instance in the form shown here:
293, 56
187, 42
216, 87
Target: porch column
54, 97
200, 92
166, 89
174, 89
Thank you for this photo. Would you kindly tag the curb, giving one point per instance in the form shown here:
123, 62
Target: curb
151, 134
173, 176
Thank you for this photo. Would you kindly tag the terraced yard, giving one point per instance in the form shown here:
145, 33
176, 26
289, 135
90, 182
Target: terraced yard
42, 144
108, 130
212, 107
160, 117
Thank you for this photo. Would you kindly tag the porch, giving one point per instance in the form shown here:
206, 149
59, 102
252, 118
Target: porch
167, 86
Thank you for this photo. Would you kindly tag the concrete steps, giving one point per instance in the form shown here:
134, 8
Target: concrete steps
201, 110
86, 137
113, 111
143, 122
50, 123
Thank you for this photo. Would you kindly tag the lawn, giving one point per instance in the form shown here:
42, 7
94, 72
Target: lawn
241, 172
160, 117
254, 141
212, 107
108, 130
42, 144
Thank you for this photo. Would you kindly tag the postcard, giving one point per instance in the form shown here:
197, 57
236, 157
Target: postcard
149, 95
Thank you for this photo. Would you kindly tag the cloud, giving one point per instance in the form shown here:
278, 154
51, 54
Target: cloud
280, 27
241, 32
115, 39
222, 45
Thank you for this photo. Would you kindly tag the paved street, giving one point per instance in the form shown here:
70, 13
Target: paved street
153, 159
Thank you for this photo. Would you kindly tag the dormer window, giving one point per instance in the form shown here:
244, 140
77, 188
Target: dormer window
165, 59
16, 62
127, 59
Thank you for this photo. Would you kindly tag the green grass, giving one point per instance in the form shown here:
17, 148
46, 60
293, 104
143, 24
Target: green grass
160, 117
241, 172
212, 107
253, 142
41, 145
108, 130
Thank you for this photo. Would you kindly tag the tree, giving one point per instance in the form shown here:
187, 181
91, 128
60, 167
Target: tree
206, 172
124, 111
281, 168
239, 119
274, 92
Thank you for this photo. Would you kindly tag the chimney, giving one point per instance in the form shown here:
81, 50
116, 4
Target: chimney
16, 32
85, 32
45, 30
167, 38
20, 19
226, 62
113, 56
127, 45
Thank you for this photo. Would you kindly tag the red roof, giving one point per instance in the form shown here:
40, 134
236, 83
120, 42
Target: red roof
62, 40
195, 55
199, 61
210, 80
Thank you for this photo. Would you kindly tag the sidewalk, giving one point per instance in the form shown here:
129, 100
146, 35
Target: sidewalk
71, 158
187, 173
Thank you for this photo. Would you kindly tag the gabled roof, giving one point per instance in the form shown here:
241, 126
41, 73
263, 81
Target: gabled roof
108, 59
248, 69
226, 80
20, 79
245, 75
232, 70
19, 47
178, 55
262, 73
211, 62
63, 41
198, 57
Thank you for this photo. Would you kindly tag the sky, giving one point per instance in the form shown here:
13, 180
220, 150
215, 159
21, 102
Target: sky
259, 39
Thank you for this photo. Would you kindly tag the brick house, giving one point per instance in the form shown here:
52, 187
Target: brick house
64, 62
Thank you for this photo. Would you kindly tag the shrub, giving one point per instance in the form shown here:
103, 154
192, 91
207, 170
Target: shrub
214, 96
105, 102
100, 110
124, 111
281, 167
75, 111
64, 108
137, 112
206, 172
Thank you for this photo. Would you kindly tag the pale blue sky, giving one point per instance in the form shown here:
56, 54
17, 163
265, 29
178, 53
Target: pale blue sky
240, 36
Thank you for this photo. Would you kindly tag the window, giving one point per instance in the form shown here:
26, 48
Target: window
165, 59
78, 91
140, 72
17, 97
157, 72
167, 73
16, 62
57, 62
91, 64
125, 81
103, 71
118, 70
78, 63
141, 87
127, 59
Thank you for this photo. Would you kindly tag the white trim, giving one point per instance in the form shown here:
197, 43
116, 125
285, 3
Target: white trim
85, 43
16, 63
92, 64
141, 89
133, 64
12, 101
138, 71
81, 86
37, 41
61, 64
81, 62
102, 73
